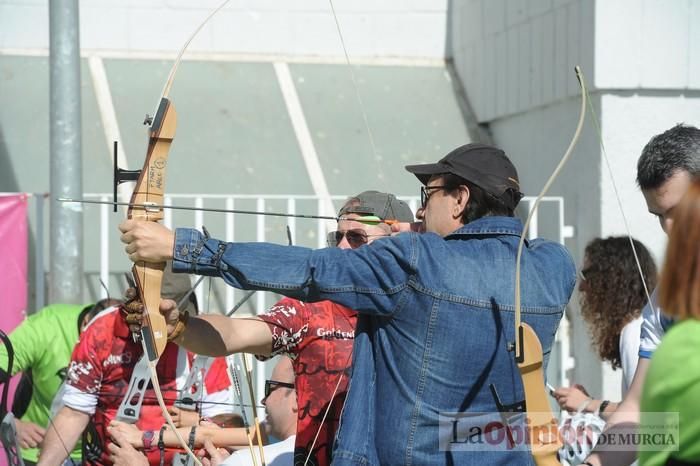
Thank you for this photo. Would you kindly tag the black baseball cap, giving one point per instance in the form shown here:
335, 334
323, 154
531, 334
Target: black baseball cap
382, 205
486, 166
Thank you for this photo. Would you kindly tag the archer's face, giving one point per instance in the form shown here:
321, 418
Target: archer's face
352, 234
442, 210
662, 200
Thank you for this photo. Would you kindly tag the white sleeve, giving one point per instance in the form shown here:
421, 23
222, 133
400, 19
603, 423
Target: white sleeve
654, 326
629, 351
80, 401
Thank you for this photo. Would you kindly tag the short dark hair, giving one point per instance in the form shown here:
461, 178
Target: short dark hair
674, 150
480, 204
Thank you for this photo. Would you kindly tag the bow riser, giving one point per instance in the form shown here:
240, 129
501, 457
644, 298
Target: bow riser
148, 278
150, 190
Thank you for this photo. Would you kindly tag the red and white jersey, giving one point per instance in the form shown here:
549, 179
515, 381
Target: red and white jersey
318, 337
101, 368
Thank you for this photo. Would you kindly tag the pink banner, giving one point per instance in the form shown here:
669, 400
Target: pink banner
13, 267
13, 259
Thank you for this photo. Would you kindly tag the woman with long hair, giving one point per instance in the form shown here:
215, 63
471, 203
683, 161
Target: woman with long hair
612, 294
672, 385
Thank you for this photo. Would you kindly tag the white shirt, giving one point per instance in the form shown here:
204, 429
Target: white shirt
629, 351
276, 454
654, 327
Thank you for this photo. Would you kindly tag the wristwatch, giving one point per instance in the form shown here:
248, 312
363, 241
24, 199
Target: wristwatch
147, 439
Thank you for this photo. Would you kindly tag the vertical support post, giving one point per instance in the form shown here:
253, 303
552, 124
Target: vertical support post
66, 222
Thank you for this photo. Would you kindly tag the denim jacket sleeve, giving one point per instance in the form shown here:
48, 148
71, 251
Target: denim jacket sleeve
369, 279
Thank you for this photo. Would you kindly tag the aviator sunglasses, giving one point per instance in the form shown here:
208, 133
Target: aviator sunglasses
356, 238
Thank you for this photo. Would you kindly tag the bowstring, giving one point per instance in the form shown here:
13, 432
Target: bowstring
599, 133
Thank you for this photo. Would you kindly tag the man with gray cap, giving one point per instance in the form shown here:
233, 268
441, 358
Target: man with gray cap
433, 349
99, 374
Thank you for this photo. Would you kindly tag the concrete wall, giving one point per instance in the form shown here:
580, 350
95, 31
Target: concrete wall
647, 44
641, 60
371, 28
517, 55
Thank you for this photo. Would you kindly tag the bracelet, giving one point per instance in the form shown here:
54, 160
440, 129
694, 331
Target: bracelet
182, 319
161, 444
601, 408
586, 463
190, 440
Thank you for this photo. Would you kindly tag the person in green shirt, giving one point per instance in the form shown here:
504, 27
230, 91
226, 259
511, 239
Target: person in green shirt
672, 385
43, 344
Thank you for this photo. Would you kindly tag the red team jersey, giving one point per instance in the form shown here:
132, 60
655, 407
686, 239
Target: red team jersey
318, 337
100, 371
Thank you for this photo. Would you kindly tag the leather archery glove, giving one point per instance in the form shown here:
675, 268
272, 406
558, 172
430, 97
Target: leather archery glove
174, 319
133, 309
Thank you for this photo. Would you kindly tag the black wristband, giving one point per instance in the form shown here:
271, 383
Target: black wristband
601, 408
161, 444
190, 440
586, 463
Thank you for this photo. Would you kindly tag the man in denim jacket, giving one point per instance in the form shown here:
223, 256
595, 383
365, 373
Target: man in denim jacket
436, 311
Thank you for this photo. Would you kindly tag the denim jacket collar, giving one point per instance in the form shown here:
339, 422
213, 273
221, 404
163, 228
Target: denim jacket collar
489, 226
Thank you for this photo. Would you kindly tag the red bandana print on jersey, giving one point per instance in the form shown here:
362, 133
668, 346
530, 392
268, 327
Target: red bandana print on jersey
318, 337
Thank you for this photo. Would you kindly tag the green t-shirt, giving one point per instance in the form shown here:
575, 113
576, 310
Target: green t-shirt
672, 385
44, 343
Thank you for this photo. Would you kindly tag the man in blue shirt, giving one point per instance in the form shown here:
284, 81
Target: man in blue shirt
436, 311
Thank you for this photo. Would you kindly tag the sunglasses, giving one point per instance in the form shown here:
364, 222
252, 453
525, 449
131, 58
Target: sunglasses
426, 192
272, 385
356, 238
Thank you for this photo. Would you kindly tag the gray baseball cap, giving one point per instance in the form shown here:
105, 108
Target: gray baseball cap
383, 205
